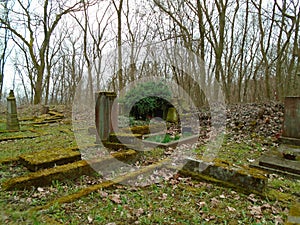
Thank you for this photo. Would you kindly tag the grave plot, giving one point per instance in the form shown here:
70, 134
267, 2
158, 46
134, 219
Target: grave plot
58, 165
194, 200
285, 159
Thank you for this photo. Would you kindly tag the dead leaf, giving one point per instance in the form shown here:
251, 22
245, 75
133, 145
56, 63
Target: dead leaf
222, 196
139, 212
214, 202
231, 209
278, 220
201, 204
252, 198
255, 211
40, 189
164, 196
90, 219
103, 194
116, 199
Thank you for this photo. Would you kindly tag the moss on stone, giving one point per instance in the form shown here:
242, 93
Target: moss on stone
9, 160
105, 184
69, 171
49, 158
275, 195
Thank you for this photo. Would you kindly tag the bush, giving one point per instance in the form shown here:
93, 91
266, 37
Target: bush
147, 99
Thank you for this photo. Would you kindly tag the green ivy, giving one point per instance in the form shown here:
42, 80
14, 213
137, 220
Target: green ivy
145, 98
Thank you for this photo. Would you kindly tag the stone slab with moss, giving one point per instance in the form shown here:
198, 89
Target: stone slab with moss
125, 138
49, 158
242, 177
146, 129
68, 171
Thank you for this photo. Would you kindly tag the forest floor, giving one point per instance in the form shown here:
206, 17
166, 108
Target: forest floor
252, 129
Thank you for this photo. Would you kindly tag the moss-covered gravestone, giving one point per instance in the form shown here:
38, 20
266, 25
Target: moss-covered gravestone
172, 116
12, 116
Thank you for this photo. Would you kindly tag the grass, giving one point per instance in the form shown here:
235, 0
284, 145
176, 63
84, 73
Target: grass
166, 138
179, 200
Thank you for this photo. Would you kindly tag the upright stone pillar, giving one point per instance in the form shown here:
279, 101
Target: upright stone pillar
105, 115
291, 124
12, 117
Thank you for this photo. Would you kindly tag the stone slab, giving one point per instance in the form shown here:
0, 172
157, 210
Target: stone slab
245, 178
280, 163
125, 138
289, 140
68, 171
272, 170
49, 158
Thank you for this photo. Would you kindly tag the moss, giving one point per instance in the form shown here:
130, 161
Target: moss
68, 171
49, 158
210, 179
16, 138
241, 169
106, 184
275, 195
117, 146
295, 209
45, 177
9, 160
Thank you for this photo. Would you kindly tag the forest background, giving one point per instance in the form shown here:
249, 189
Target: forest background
250, 47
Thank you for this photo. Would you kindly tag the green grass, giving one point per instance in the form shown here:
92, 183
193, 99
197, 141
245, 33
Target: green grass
177, 201
2, 126
166, 138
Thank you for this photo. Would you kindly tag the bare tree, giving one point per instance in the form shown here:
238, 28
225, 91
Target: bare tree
3, 45
119, 9
35, 31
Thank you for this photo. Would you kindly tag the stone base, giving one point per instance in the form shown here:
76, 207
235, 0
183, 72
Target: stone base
274, 162
289, 141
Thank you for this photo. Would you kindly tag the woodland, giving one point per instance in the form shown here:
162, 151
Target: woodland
225, 66
50, 49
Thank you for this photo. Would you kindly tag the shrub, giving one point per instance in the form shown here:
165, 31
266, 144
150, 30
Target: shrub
147, 99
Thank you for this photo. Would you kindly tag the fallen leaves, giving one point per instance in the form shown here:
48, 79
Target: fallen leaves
116, 198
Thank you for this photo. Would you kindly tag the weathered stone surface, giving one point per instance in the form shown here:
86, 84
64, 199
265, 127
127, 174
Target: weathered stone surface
105, 115
245, 178
12, 117
50, 158
172, 115
291, 124
68, 171
125, 138
294, 215
279, 163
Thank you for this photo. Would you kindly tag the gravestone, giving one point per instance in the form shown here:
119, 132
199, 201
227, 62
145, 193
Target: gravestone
12, 116
286, 159
291, 125
172, 116
105, 114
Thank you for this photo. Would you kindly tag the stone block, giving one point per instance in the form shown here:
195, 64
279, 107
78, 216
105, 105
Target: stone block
241, 177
